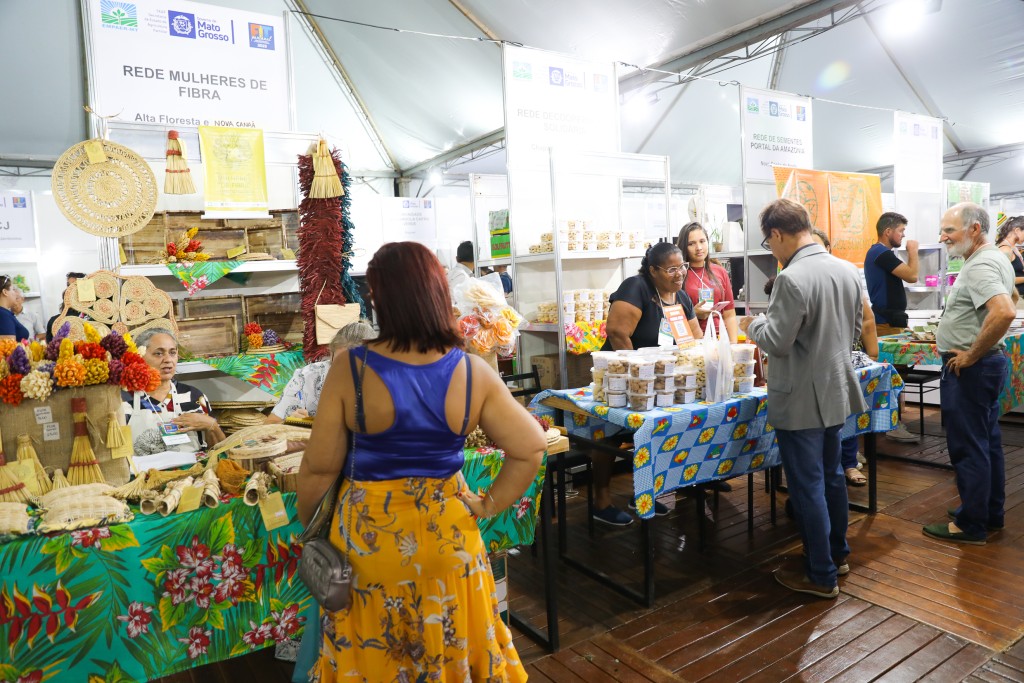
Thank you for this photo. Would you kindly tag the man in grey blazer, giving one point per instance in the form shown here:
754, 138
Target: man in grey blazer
812, 321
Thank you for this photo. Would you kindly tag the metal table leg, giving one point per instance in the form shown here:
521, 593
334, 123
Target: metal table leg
550, 639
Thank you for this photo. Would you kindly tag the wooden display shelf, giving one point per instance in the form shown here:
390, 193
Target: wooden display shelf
160, 270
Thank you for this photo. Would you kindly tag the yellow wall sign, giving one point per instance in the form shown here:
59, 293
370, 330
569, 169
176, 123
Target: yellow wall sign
236, 174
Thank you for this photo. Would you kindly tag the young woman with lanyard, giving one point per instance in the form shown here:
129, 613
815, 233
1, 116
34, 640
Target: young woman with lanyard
706, 283
637, 319
175, 417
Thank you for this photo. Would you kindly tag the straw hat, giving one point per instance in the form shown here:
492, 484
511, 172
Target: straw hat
111, 198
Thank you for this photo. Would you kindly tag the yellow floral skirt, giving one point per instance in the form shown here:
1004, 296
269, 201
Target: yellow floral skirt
424, 606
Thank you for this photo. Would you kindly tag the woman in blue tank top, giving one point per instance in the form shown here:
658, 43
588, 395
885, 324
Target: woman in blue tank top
424, 605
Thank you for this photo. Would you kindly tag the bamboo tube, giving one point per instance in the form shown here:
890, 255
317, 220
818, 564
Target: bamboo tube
256, 489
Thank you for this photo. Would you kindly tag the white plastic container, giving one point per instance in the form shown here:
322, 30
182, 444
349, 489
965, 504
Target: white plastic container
664, 365
641, 367
690, 396
665, 382
598, 375
743, 368
638, 385
663, 399
641, 402
617, 399
617, 383
742, 353
745, 385
615, 364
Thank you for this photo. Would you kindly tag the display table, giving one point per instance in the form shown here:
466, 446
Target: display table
901, 350
137, 601
692, 444
686, 445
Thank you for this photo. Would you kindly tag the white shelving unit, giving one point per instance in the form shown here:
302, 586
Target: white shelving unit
585, 186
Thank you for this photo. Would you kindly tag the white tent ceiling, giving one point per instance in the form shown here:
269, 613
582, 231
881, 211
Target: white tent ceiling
400, 99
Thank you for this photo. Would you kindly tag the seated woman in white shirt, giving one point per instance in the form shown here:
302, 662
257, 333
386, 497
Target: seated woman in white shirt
302, 393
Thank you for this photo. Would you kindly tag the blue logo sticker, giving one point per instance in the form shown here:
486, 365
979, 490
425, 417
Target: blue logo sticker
555, 76
19, 203
801, 113
773, 108
261, 36
181, 24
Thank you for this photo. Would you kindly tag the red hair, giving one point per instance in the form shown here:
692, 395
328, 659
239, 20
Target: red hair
411, 298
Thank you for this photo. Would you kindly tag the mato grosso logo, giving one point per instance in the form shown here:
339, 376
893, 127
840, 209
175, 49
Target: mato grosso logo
119, 14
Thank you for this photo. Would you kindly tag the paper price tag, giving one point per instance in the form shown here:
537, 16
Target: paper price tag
273, 511
191, 497
43, 415
86, 289
287, 254
51, 431
94, 151
237, 251
127, 449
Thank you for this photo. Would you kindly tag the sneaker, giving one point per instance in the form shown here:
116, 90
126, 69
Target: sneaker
797, 581
659, 508
951, 513
861, 460
901, 434
842, 569
941, 532
613, 516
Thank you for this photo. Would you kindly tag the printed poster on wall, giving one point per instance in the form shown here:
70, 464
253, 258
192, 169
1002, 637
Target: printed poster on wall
551, 100
182, 63
966, 191
917, 144
236, 175
777, 131
17, 229
410, 220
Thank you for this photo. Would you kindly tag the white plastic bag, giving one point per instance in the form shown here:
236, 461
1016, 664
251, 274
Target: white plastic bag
717, 361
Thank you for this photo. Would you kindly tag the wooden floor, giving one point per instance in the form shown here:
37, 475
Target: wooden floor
911, 608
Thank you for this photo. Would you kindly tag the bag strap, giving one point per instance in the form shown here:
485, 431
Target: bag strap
320, 526
469, 392
319, 293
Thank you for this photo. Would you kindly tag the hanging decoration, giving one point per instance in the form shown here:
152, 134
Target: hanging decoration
325, 240
178, 176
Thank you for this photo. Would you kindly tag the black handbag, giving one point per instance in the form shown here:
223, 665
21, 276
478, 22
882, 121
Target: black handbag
324, 569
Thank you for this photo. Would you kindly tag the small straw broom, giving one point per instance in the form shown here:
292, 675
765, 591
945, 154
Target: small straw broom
84, 468
326, 183
177, 175
12, 489
26, 451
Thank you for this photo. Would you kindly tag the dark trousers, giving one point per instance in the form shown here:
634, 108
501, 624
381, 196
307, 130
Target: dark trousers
817, 488
970, 410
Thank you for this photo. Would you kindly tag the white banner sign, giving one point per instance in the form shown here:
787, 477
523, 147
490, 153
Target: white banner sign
917, 143
182, 63
777, 131
411, 220
17, 230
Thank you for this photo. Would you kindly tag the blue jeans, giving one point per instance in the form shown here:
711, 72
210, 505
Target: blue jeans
970, 409
849, 451
817, 487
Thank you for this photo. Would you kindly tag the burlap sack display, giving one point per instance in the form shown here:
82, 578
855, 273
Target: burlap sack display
101, 400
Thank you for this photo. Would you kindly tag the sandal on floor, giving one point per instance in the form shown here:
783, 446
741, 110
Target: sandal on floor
854, 477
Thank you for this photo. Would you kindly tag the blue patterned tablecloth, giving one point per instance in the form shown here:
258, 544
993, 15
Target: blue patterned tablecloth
690, 444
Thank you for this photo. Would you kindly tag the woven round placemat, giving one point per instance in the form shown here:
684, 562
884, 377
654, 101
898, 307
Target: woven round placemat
112, 198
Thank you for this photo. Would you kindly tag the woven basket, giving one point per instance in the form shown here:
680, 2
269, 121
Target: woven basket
14, 519
266, 350
113, 198
285, 470
55, 496
80, 512
285, 432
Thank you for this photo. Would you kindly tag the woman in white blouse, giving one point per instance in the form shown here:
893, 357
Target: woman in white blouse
302, 393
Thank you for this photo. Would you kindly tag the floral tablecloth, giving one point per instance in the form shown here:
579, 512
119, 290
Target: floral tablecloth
900, 350
137, 601
585, 337
201, 274
690, 444
270, 372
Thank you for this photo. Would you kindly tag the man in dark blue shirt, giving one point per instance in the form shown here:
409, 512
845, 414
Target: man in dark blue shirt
885, 275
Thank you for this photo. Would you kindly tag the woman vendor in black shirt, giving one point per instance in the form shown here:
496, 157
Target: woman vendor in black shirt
636, 319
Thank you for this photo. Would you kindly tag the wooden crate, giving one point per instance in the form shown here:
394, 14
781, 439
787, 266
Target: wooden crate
249, 223
216, 243
204, 337
146, 245
288, 326
290, 225
177, 222
262, 304
215, 307
266, 240
176, 307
